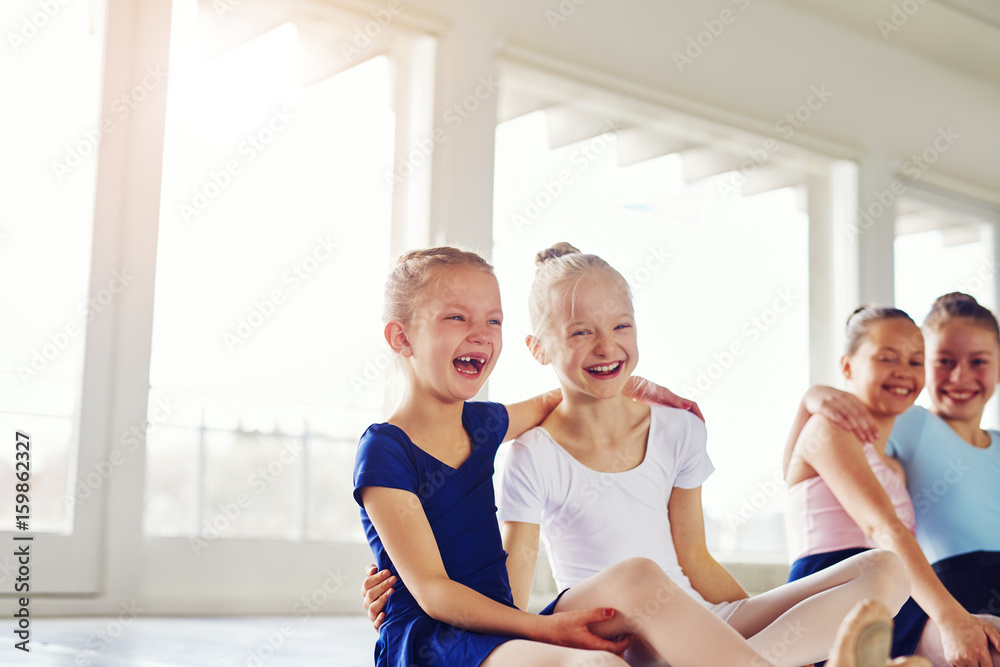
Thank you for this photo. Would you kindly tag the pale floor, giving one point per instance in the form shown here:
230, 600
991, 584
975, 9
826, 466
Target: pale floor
335, 641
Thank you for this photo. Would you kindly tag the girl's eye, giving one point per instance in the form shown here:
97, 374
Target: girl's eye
979, 362
942, 362
918, 364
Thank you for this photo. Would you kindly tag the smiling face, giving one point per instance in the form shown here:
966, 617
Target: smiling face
964, 368
887, 370
591, 337
454, 339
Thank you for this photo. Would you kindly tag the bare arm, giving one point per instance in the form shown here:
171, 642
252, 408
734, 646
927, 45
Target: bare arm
530, 413
520, 540
687, 527
411, 546
838, 458
842, 408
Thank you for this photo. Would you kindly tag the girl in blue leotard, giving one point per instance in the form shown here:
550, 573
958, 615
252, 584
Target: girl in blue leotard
424, 481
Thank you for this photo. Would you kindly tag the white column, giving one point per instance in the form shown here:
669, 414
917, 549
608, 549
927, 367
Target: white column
116, 366
878, 191
466, 111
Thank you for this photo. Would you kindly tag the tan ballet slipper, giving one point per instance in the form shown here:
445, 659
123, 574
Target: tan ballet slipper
864, 638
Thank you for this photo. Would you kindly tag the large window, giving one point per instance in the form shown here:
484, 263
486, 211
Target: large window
273, 245
721, 295
48, 171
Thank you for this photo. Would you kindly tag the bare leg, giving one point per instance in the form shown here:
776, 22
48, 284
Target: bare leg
524, 653
675, 627
795, 624
931, 647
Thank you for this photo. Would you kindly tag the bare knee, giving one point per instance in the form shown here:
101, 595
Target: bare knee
885, 578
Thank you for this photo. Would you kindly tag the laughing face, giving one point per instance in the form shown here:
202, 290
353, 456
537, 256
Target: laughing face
591, 341
887, 370
964, 369
454, 338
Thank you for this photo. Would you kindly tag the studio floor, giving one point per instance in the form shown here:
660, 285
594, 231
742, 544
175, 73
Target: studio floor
340, 641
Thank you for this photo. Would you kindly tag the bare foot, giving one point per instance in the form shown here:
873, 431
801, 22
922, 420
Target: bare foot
864, 638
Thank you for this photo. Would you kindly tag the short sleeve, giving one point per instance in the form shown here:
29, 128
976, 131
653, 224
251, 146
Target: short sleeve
906, 434
486, 423
521, 497
382, 460
693, 464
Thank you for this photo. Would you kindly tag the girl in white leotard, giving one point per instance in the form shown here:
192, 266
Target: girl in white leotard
604, 478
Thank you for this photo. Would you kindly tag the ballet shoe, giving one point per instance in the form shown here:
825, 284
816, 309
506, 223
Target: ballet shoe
864, 638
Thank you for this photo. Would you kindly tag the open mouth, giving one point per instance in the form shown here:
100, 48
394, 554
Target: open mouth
605, 370
959, 396
471, 365
902, 392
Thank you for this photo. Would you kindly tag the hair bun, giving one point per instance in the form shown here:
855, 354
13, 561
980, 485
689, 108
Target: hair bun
956, 298
857, 310
558, 250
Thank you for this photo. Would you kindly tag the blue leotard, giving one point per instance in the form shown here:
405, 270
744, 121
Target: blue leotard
461, 509
956, 497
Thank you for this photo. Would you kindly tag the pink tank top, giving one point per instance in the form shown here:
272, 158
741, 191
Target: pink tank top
816, 522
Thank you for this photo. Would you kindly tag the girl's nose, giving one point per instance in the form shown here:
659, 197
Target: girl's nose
958, 373
480, 333
603, 345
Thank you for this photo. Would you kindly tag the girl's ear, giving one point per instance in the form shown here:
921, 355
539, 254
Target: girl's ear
536, 349
395, 335
845, 366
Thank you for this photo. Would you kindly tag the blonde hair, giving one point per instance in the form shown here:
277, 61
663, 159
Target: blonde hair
956, 305
415, 271
560, 270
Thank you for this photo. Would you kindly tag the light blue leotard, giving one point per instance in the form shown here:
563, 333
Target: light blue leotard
955, 487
